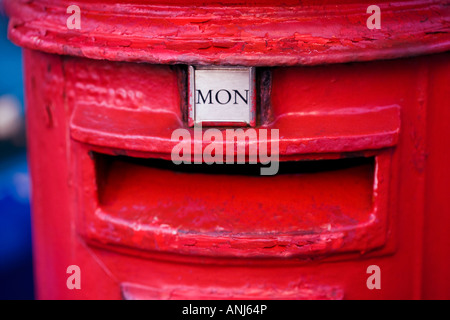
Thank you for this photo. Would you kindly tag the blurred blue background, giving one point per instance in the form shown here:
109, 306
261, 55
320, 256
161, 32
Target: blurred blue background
16, 277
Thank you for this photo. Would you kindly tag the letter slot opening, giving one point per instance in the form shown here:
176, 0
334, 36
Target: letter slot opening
220, 210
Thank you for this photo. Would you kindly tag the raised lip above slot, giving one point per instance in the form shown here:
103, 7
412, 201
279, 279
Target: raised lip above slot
368, 129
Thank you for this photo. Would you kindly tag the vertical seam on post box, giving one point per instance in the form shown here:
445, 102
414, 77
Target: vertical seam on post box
422, 101
73, 210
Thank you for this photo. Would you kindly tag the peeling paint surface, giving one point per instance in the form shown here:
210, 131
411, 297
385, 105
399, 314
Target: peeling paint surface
283, 33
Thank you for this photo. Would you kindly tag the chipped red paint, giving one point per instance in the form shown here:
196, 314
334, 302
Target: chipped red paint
295, 291
106, 197
233, 33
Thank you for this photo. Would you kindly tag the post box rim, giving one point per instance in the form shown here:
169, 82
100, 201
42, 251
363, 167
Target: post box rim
256, 36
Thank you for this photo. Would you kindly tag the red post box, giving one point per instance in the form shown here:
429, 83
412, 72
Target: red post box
361, 114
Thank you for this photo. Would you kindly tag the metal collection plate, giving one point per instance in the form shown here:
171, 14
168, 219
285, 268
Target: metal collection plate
221, 96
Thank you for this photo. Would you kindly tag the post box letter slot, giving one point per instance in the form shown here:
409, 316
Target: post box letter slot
308, 208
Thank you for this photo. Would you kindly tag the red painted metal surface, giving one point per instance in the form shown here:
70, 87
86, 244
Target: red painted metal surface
363, 179
260, 33
304, 214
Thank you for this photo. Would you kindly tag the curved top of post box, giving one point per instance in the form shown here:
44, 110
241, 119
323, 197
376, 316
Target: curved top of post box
258, 32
